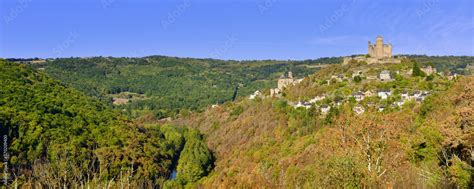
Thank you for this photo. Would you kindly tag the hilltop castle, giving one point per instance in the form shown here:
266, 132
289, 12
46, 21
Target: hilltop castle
380, 50
377, 53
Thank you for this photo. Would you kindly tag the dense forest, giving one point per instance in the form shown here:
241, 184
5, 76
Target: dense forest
56, 136
269, 143
170, 85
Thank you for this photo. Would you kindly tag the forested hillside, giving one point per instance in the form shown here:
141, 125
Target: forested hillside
167, 86
452, 63
56, 136
271, 143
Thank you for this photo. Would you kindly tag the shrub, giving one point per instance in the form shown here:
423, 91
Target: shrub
417, 71
357, 79
461, 174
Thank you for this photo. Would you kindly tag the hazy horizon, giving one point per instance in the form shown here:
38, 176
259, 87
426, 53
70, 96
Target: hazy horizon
184, 57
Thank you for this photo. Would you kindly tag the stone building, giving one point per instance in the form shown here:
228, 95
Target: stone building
385, 75
377, 53
283, 82
429, 70
380, 50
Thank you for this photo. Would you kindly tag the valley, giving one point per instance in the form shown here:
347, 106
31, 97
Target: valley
346, 125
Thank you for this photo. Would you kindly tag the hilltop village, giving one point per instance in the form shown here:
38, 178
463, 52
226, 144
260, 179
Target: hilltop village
377, 81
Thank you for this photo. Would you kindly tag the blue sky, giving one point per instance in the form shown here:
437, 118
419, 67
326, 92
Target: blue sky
233, 29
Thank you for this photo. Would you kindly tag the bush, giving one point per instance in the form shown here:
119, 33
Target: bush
357, 79
280, 105
430, 77
461, 174
236, 111
343, 172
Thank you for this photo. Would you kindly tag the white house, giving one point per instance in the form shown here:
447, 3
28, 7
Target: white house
381, 108
255, 94
405, 95
325, 109
338, 102
303, 104
359, 109
317, 98
451, 77
417, 94
369, 93
385, 75
358, 96
421, 97
400, 103
384, 94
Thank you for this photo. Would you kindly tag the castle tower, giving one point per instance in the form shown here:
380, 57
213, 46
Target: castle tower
371, 50
380, 50
290, 75
387, 50
379, 47
379, 41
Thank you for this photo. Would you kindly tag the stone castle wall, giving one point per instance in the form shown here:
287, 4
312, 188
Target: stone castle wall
380, 50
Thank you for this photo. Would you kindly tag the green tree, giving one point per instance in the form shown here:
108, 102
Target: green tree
195, 160
357, 79
417, 71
